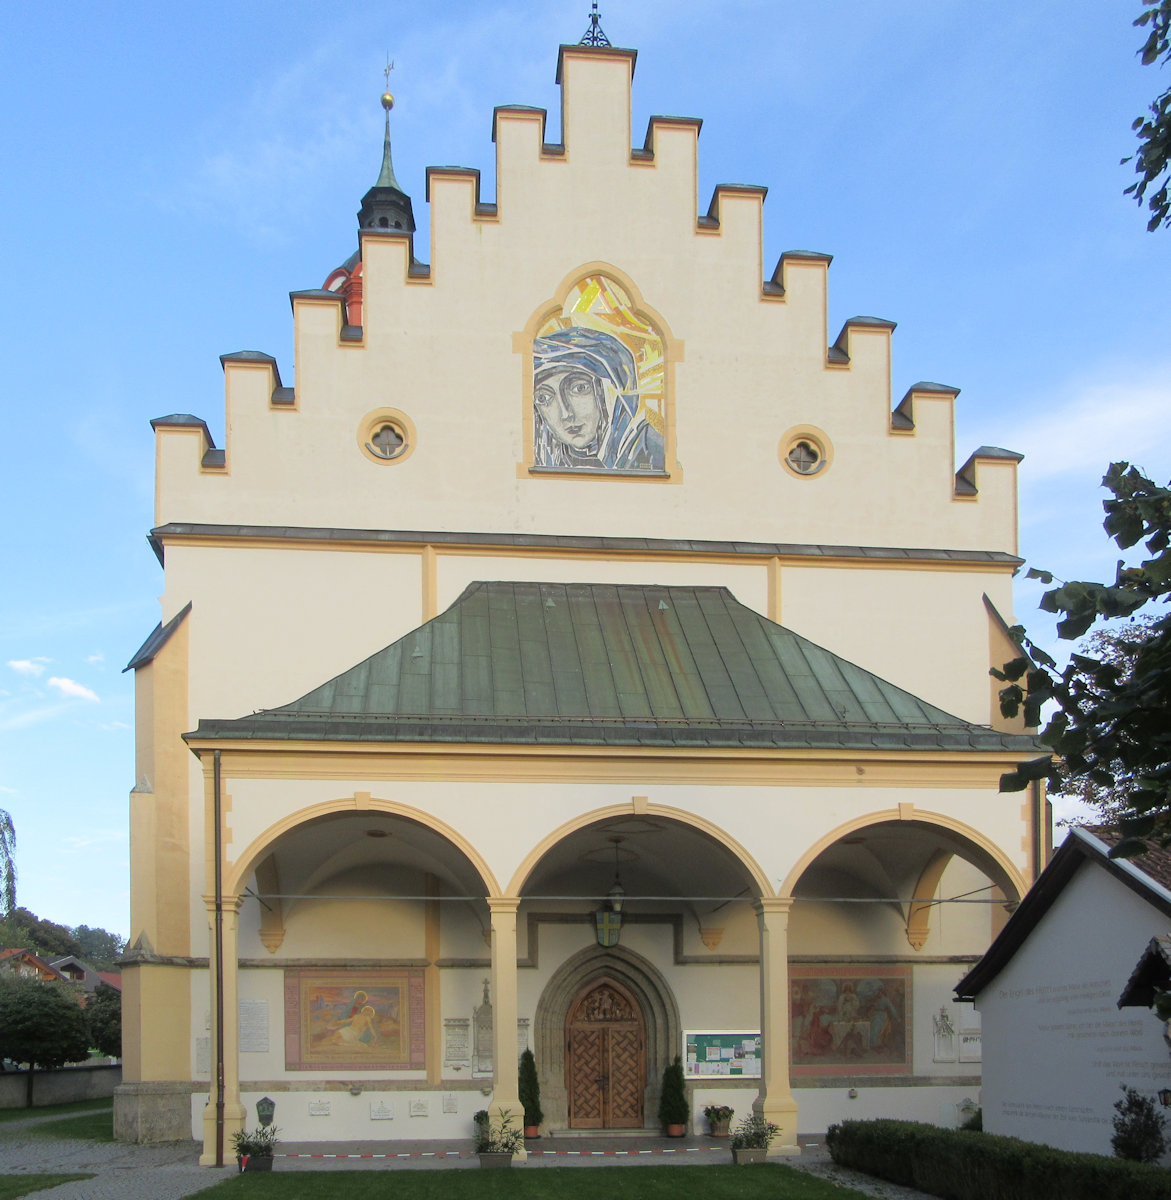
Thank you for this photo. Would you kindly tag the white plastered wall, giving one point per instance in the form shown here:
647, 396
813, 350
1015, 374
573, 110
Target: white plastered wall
1057, 1047
448, 351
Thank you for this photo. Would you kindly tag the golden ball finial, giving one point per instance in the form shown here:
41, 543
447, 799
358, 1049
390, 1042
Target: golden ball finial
387, 101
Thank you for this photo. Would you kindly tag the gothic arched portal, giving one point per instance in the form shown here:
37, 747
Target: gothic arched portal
582, 986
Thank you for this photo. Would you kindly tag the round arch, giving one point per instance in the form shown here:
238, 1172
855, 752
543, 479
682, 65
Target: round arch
238, 874
988, 856
613, 812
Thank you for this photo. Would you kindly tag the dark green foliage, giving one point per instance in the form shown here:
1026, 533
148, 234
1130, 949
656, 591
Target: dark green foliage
7, 864
1154, 132
958, 1165
98, 947
1140, 1130
41, 1024
1109, 725
257, 1143
754, 1133
975, 1123
528, 1088
103, 1012
499, 1138
25, 930
673, 1106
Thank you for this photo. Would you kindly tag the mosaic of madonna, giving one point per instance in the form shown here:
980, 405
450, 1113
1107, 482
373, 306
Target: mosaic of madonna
598, 385
850, 1019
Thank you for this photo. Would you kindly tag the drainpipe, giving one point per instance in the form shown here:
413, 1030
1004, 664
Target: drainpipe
1041, 836
219, 966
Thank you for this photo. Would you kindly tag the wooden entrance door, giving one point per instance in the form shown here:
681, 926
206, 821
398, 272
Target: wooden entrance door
605, 1058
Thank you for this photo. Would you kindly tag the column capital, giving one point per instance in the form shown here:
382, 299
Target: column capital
503, 905
232, 905
773, 905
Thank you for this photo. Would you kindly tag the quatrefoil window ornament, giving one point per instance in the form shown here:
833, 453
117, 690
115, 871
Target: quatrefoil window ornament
386, 436
387, 442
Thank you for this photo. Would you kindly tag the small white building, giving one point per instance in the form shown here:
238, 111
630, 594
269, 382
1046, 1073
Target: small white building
1060, 1028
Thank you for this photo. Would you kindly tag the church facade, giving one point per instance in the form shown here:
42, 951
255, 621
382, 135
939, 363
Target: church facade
586, 654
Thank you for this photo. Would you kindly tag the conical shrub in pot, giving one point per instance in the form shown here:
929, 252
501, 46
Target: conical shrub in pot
674, 1110
529, 1091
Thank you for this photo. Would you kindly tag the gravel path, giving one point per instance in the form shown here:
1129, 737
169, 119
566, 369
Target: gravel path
121, 1172
171, 1171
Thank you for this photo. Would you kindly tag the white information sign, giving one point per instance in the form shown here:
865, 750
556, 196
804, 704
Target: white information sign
253, 1026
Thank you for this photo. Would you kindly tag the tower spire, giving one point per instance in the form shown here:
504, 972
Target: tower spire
386, 205
594, 35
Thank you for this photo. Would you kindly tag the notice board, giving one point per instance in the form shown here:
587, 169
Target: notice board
721, 1052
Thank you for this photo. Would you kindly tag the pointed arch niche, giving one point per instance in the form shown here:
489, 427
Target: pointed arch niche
598, 382
645, 986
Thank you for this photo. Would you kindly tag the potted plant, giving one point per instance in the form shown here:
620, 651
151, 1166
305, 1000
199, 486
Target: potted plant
497, 1143
674, 1110
254, 1150
752, 1139
719, 1118
529, 1090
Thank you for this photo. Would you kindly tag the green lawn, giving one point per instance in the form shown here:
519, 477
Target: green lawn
12, 1186
764, 1182
79, 1106
85, 1126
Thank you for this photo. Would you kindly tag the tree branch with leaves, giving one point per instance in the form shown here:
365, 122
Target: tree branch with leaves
1110, 726
1152, 160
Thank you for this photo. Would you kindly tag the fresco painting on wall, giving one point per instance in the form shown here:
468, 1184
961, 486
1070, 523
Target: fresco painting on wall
599, 385
850, 1020
354, 1019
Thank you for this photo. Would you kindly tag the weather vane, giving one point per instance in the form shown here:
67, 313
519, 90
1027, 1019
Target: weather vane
387, 98
594, 35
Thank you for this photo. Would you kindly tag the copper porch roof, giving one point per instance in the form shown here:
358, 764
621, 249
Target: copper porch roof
607, 664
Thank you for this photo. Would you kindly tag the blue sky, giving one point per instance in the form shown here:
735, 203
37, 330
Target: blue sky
170, 172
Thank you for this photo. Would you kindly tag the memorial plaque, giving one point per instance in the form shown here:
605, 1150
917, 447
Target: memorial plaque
253, 1026
202, 1058
457, 1045
319, 1108
380, 1110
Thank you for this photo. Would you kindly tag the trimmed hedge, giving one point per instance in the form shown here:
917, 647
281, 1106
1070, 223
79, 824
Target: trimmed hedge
956, 1164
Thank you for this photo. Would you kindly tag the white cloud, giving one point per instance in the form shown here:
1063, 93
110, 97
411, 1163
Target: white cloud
29, 666
95, 660
7, 790
73, 689
33, 716
112, 726
99, 837
1095, 422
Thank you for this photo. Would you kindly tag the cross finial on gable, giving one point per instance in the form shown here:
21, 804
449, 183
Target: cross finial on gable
594, 35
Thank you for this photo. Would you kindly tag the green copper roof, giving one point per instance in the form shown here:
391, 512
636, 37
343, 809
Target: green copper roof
386, 175
605, 664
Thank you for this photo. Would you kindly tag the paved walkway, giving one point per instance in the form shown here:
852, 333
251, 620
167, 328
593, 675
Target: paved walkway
171, 1171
